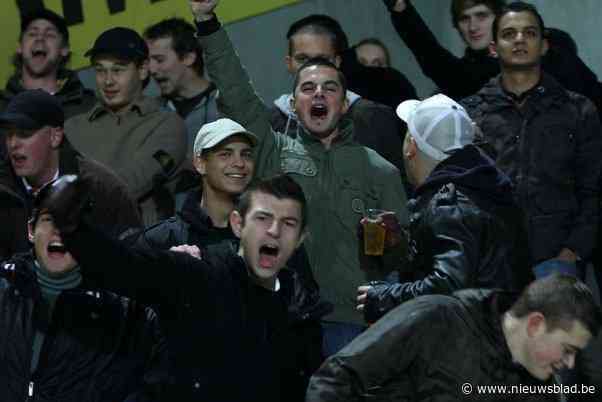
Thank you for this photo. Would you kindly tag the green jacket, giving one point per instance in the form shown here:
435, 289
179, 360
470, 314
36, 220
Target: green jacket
339, 183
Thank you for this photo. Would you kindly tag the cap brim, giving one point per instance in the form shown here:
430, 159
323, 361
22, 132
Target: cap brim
219, 139
405, 109
18, 120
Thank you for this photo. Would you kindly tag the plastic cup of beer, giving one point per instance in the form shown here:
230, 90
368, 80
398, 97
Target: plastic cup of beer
374, 232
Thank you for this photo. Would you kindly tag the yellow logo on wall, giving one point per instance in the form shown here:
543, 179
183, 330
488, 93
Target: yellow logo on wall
89, 18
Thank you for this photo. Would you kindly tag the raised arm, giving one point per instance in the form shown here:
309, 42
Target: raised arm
238, 99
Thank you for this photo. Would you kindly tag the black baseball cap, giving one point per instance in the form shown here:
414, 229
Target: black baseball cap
45, 14
121, 42
32, 110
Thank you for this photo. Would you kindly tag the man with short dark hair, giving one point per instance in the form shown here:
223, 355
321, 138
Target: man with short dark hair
176, 64
38, 152
444, 348
375, 125
127, 131
224, 315
40, 63
546, 139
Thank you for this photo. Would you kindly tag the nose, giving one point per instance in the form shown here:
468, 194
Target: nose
274, 229
472, 26
319, 91
238, 161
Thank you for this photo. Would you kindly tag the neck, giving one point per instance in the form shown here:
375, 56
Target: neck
217, 205
327, 141
520, 81
38, 182
48, 83
194, 86
511, 327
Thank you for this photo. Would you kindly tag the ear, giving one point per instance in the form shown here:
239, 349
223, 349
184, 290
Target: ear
288, 60
65, 50
301, 239
545, 46
236, 223
56, 136
292, 104
199, 164
30, 231
412, 149
337, 61
536, 324
189, 59
345, 104
143, 70
493, 49
19, 49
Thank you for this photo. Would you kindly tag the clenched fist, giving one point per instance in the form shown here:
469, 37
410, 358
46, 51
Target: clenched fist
202, 9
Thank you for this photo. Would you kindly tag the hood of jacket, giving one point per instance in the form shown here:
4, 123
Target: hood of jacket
283, 104
472, 170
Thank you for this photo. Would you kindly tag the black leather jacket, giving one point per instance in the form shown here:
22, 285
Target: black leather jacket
426, 351
550, 148
98, 347
465, 232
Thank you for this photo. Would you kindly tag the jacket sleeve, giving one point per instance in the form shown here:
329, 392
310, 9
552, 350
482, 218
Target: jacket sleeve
583, 235
159, 158
452, 74
238, 99
454, 248
383, 354
149, 276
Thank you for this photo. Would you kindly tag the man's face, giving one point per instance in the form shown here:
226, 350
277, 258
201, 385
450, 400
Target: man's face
306, 46
228, 167
41, 48
166, 68
371, 55
547, 351
118, 82
520, 43
33, 154
48, 246
319, 100
269, 234
474, 25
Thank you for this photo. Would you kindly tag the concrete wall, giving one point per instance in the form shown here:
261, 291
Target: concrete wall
262, 46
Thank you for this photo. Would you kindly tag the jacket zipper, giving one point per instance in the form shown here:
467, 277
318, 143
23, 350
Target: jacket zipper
30, 391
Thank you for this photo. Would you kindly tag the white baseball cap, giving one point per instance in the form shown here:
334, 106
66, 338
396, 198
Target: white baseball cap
215, 132
438, 124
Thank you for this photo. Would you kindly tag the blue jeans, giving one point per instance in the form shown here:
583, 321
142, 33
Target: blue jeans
336, 335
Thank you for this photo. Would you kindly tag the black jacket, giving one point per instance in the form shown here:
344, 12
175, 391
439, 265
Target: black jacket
427, 350
98, 347
550, 148
193, 226
465, 232
229, 338
459, 77
113, 208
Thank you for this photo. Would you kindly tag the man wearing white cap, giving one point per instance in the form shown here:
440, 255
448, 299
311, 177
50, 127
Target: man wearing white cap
465, 229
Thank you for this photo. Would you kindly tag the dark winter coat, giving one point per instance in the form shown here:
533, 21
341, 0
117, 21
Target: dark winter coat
98, 347
550, 148
113, 208
427, 350
465, 232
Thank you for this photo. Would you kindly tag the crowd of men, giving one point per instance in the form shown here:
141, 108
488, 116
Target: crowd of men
202, 245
